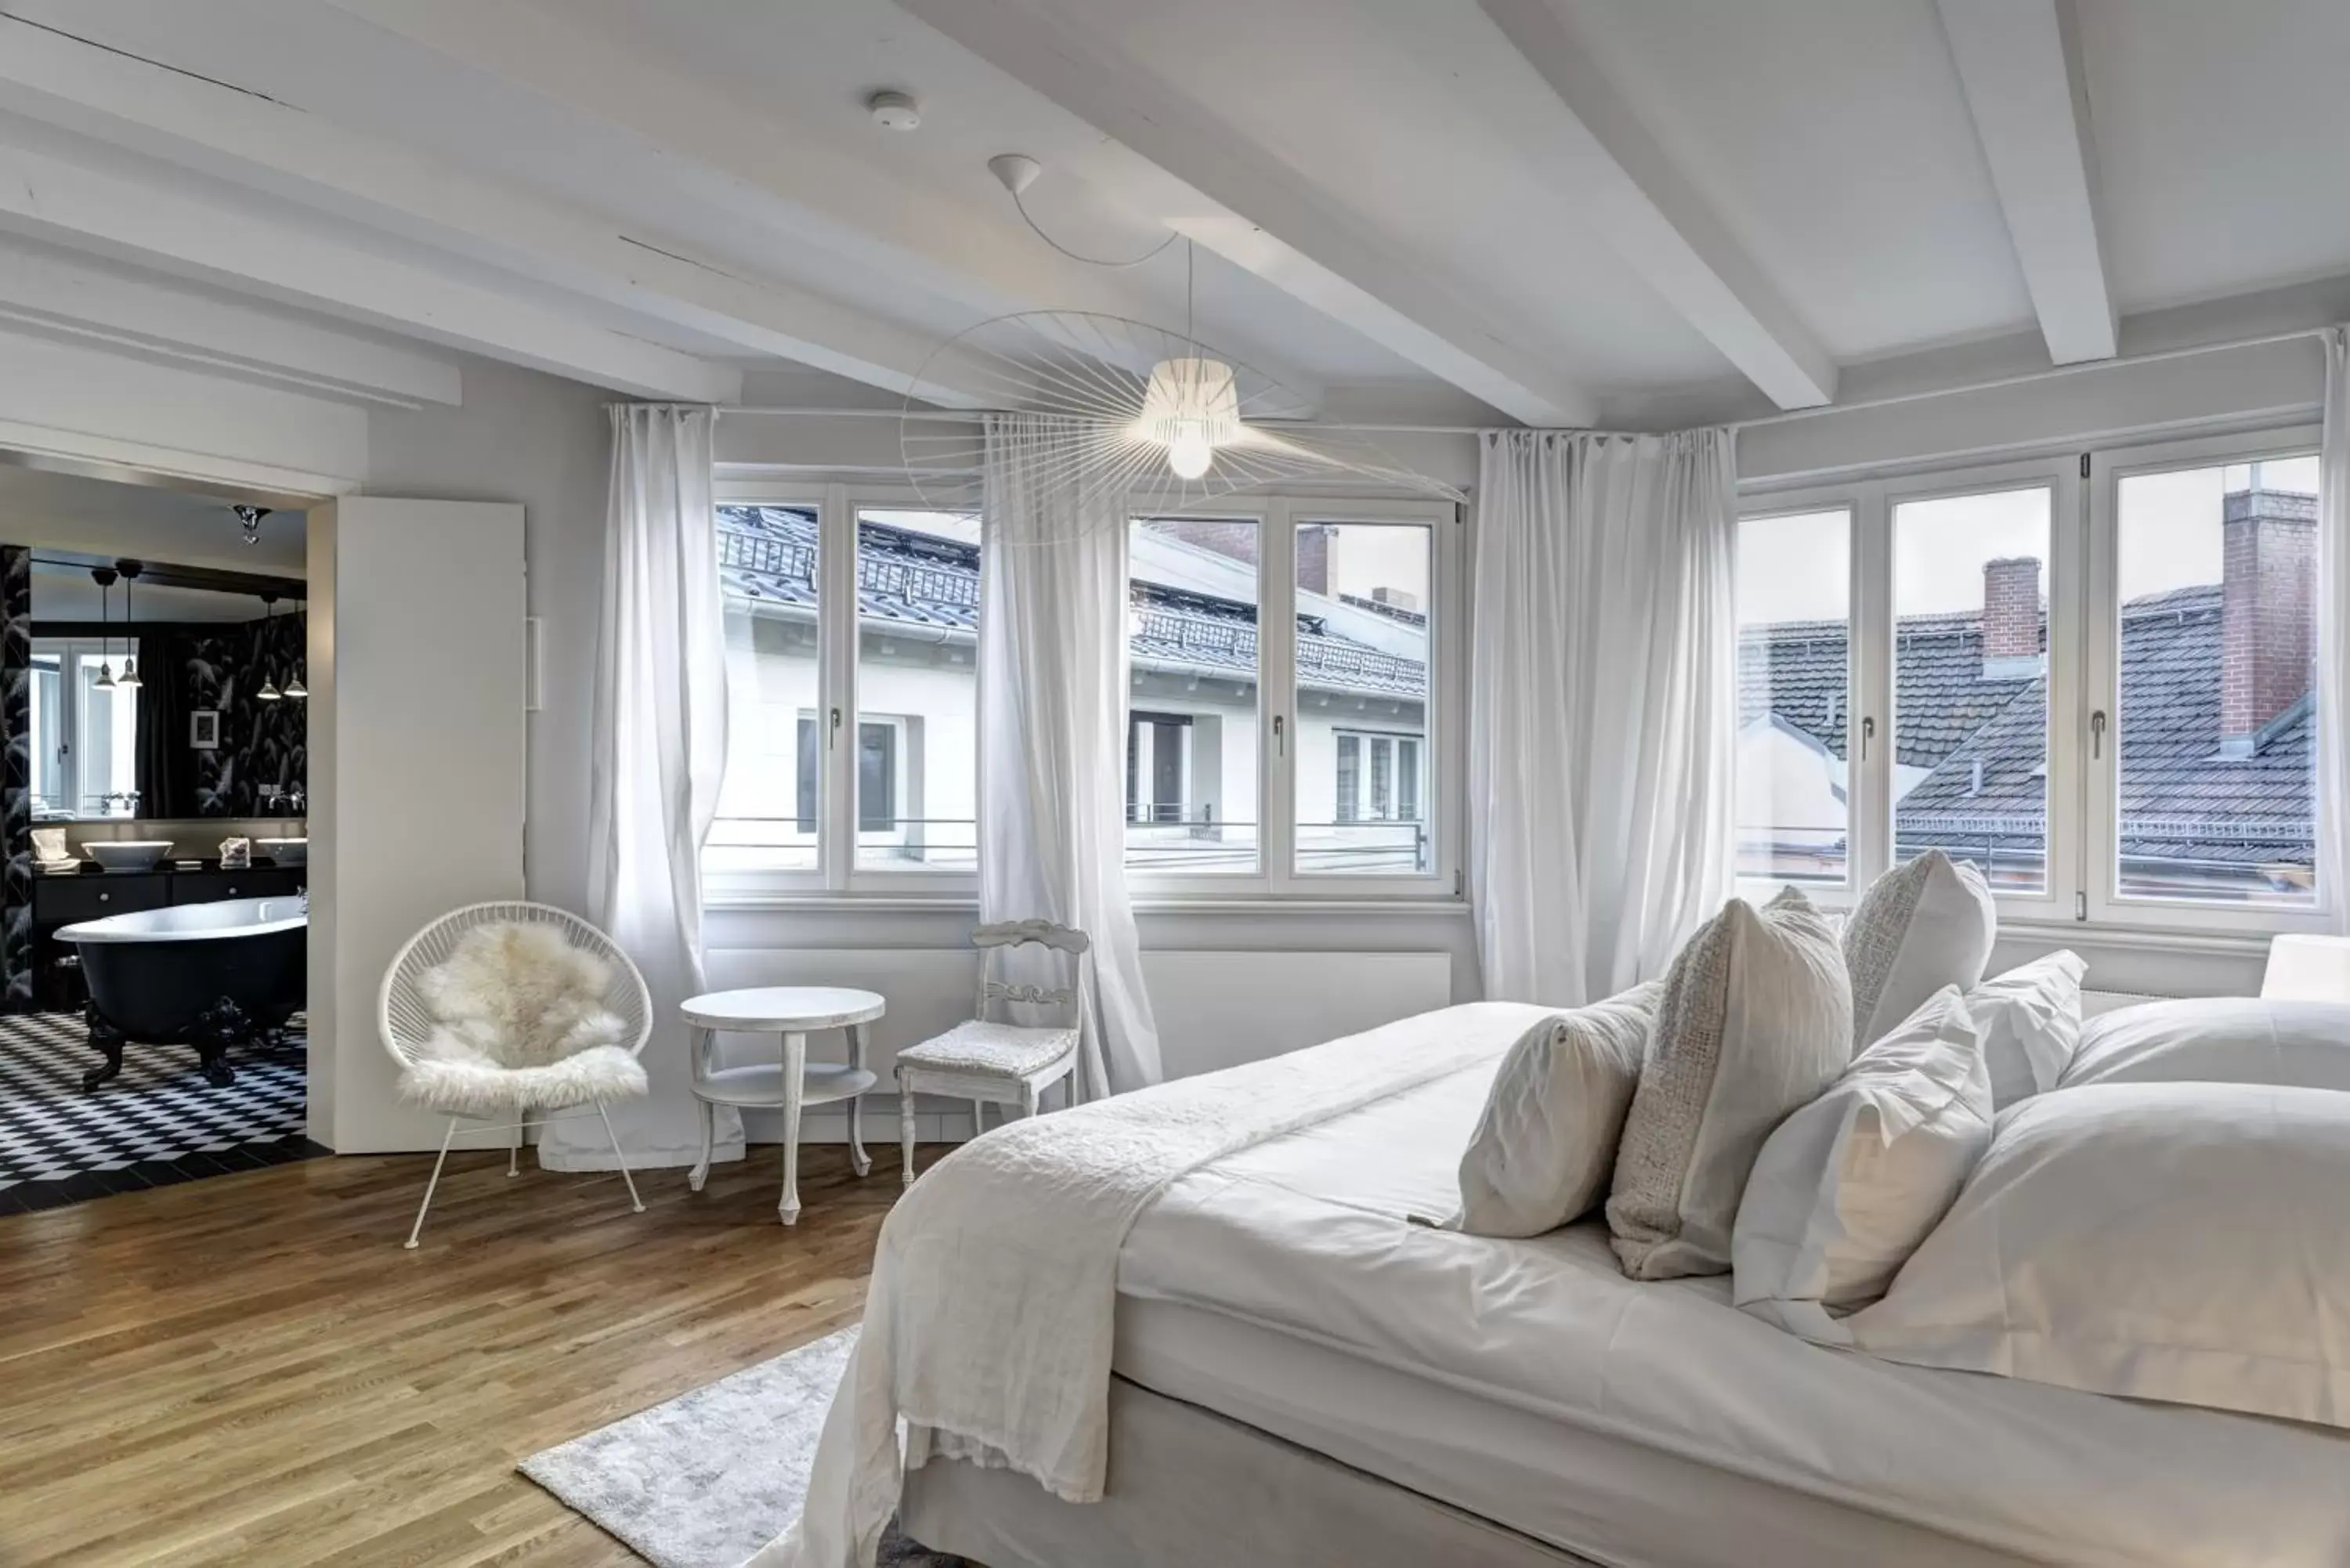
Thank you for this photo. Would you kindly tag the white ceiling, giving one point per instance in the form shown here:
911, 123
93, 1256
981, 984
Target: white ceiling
71, 512
1559, 210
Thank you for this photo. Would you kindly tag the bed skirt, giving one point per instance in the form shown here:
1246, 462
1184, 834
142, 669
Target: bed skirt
1190, 1488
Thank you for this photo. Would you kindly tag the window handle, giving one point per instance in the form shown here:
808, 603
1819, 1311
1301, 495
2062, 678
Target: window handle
1280, 745
832, 736
1867, 733
2097, 735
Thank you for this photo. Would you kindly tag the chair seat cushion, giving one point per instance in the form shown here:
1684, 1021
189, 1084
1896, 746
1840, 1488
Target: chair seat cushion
474, 1088
975, 1047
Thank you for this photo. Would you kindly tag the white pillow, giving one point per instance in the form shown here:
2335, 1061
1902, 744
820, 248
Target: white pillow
1849, 1185
1755, 1020
1542, 1152
1921, 925
2031, 1019
2175, 1242
2220, 1039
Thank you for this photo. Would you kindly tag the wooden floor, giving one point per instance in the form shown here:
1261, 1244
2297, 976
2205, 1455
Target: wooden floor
251, 1371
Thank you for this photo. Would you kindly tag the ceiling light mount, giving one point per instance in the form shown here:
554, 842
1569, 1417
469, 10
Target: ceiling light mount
249, 518
1015, 171
894, 111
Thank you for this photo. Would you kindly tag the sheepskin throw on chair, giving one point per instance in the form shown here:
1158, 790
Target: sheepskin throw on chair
518, 998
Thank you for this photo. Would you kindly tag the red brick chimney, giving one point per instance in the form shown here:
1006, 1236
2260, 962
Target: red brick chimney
2267, 614
1315, 541
2010, 621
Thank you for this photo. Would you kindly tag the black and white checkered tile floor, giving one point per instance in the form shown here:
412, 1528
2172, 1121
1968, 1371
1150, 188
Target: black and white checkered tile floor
156, 1123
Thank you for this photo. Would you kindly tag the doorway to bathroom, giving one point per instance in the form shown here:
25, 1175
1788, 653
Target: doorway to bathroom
153, 695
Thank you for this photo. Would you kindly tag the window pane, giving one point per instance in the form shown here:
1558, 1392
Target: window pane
45, 730
767, 815
1191, 737
917, 683
1362, 697
2217, 732
105, 743
1970, 682
1794, 625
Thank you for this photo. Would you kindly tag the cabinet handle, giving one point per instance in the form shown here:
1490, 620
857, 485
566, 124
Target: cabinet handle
232, 892
105, 897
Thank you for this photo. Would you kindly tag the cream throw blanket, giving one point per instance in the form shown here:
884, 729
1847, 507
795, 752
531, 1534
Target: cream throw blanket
988, 1320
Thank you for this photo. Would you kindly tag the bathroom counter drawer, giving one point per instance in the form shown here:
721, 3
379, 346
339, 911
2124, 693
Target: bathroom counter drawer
211, 887
60, 900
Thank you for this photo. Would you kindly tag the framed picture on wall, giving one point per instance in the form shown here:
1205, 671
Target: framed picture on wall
204, 729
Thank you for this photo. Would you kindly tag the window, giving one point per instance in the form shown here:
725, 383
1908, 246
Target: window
1193, 764
2215, 644
1794, 678
84, 737
917, 691
851, 620
1363, 594
768, 812
1970, 681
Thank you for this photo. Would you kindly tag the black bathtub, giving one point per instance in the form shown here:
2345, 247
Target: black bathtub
212, 976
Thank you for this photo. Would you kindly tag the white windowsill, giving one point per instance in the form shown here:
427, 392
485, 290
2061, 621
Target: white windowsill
828, 903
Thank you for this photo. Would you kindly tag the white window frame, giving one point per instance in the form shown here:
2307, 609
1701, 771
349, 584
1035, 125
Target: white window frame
2103, 904
1858, 811
73, 653
1276, 877
1870, 676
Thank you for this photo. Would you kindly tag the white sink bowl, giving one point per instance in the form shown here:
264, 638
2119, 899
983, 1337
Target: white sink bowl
128, 854
284, 851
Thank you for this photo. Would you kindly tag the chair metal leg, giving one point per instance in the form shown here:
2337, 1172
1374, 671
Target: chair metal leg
514, 1152
418, 1229
635, 1202
906, 1126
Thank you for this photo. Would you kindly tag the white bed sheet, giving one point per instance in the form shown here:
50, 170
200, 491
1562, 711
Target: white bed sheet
1653, 1425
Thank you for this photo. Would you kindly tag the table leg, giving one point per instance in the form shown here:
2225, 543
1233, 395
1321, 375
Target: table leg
794, 1073
858, 1160
698, 1045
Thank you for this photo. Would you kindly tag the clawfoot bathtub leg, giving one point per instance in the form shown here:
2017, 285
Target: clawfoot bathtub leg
106, 1040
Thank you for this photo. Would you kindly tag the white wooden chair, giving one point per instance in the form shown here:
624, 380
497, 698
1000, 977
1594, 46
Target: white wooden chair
405, 1022
994, 1063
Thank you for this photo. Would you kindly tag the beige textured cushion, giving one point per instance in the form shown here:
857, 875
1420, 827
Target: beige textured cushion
1849, 1185
2179, 1241
1542, 1151
1755, 1020
1920, 927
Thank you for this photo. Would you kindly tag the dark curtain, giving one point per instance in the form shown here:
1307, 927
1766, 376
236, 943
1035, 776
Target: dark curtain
167, 767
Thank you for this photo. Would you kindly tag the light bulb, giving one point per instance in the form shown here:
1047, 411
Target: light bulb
1189, 450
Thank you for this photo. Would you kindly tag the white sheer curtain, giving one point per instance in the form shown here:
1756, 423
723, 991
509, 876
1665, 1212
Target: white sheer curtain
1603, 707
1052, 740
2333, 634
660, 751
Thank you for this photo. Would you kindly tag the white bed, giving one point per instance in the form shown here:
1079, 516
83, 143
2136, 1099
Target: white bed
1530, 1384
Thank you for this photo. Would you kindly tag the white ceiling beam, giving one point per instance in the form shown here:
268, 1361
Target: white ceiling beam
1230, 196
50, 198
2020, 63
71, 295
733, 154
310, 159
1597, 157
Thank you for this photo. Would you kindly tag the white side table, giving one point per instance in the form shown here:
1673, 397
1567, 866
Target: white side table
791, 1083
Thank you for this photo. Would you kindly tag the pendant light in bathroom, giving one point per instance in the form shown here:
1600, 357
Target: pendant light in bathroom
104, 578
129, 676
268, 692
293, 688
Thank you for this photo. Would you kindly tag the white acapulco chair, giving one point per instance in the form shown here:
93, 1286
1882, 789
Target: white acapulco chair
405, 1022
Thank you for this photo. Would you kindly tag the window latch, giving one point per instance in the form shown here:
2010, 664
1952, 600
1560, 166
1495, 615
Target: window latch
1280, 746
1867, 733
2097, 735
832, 736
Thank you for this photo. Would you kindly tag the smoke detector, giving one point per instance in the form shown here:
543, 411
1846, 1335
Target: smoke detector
894, 111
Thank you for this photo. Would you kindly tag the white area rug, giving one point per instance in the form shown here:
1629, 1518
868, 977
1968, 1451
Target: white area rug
708, 1478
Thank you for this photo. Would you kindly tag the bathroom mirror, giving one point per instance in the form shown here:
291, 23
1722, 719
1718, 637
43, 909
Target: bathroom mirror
165, 692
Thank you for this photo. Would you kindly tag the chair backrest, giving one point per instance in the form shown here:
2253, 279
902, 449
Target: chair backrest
405, 1022
1004, 936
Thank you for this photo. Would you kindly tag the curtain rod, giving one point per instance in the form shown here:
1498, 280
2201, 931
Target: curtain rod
1784, 416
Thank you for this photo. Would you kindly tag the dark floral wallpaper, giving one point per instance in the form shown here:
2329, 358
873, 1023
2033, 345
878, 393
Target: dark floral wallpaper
260, 743
16, 777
